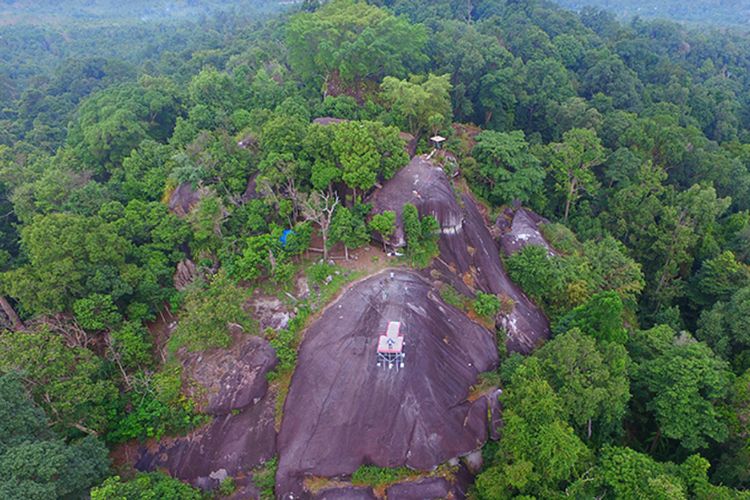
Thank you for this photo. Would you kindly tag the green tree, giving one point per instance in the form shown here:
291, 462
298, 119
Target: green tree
682, 383
538, 453
507, 169
67, 382
420, 103
725, 325
601, 317
571, 165
366, 152
96, 312
625, 473
349, 228
421, 236
718, 279
591, 380
66, 253
352, 41
35, 462
384, 224
207, 315
144, 486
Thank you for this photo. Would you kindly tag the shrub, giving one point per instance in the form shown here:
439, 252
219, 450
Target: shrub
227, 487
452, 297
206, 315
372, 475
421, 236
264, 478
486, 305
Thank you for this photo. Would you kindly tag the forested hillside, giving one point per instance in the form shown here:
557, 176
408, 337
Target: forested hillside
106, 12
720, 12
180, 202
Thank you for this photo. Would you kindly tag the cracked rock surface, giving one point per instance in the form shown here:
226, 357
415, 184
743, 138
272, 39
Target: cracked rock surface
343, 411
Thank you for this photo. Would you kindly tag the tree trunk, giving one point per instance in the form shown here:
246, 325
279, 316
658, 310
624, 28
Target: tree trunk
86, 430
325, 246
11, 313
346, 252
570, 198
272, 260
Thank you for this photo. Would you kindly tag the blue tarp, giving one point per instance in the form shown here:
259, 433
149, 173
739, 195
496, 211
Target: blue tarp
285, 236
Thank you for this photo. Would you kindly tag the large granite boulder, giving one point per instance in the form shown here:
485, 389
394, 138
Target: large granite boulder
522, 232
231, 385
469, 258
346, 493
343, 411
434, 488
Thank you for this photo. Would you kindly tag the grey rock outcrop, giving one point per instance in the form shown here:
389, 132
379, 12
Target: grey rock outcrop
241, 434
469, 258
343, 411
184, 198
523, 231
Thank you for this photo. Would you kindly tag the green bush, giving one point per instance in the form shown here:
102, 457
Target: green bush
372, 475
317, 273
486, 305
227, 487
452, 297
285, 343
206, 314
155, 409
145, 485
421, 236
264, 478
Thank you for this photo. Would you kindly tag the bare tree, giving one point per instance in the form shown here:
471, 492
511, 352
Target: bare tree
318, 208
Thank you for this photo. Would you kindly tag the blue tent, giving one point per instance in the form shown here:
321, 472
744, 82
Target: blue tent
285, 236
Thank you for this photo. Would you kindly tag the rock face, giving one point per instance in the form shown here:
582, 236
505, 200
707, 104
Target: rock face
184, 198
232, 379
524, 231
468, 255
185, 274
241, 435
347, 493
269, 312
434, 488
343, 411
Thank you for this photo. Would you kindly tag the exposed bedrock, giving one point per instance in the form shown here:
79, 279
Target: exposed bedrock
241, 434
342, 411
469, 257
522, 231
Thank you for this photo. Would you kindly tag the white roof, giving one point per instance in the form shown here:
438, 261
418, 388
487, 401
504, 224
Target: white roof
390, 345
438, 138
393, 329
392, 341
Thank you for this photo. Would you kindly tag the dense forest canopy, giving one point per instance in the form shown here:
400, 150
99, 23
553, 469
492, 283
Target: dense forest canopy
177, 165
111, 11
720, 12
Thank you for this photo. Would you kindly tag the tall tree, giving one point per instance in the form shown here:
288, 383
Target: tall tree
352, 41
419, 104
571, 165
